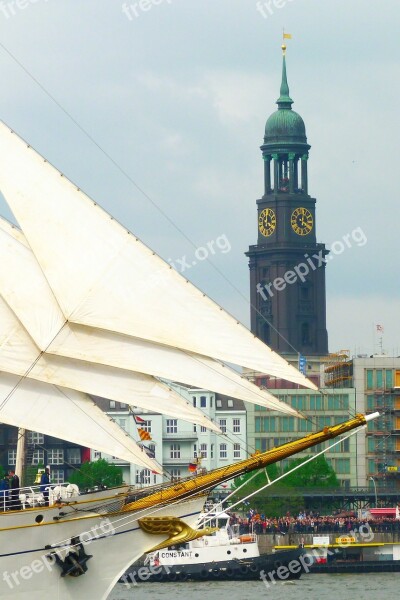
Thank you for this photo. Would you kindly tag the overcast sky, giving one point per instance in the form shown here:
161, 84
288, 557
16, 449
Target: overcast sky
177, 93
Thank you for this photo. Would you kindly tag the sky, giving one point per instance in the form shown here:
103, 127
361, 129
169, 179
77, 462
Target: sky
157, 108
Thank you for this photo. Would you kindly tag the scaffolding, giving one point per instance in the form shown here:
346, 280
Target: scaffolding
339, 370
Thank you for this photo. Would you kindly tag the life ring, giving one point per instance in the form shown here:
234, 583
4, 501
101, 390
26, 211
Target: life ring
243, 569
158, 577
229, 572
204, 574
172, 576
215, 573
182, 576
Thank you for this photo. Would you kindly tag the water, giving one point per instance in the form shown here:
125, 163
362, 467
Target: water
373, 586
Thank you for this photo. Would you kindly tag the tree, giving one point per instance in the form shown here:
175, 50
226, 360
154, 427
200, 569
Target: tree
97, 473
315, 474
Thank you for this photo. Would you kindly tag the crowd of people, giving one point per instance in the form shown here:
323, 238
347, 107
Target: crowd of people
309, 522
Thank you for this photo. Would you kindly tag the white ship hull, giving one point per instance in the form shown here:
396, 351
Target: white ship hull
26, 573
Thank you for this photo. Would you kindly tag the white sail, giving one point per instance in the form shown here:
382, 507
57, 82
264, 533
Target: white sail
26, 291
66, 414
109, 279
20, 356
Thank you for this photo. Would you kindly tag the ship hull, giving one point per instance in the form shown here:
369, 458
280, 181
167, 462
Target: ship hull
269, 567
113, 542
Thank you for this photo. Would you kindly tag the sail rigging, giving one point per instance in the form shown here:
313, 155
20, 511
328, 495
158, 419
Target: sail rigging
24, 288
109, 279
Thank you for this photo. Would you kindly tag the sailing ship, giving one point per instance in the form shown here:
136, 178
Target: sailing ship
86, 308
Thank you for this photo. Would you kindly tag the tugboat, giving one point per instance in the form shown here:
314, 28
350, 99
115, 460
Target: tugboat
224, 555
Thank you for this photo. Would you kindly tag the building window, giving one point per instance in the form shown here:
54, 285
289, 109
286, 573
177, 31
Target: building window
219, 403
342, 466
203, 429
212, 451
203, 402
143, 477
194, 428
222, 425
122, 405
122, 423
236, 451
379, 379
112, 403
305, 334
389, 378
316, 403
35, 438
38, 457
370, 379
74, 456
12, 457
230, 403
304, 425
172, 425
223, 451
265, 424
194, 401
96, 455
55, 456
195, 450
287, 423
175, 451
57, 476
322, 422
203, 450
236, 425
146, 426
211, 401
175, 474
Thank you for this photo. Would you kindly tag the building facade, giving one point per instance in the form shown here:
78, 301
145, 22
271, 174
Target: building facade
62, 457
178, 445
376, 384
267, 429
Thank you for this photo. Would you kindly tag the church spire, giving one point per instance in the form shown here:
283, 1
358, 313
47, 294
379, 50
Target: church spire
284, 101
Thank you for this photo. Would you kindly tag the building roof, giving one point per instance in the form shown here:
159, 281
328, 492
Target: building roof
228, 403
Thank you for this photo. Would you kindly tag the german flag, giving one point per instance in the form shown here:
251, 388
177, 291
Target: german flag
192, 467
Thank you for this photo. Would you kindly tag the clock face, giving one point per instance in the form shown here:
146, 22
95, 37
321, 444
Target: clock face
267, 222
301, 221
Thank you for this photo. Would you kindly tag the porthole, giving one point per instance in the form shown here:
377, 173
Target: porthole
39, 519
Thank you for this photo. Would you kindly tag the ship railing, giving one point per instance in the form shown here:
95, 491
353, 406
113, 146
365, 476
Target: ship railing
36, 495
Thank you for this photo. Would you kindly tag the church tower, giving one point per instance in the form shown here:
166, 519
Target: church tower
287, 266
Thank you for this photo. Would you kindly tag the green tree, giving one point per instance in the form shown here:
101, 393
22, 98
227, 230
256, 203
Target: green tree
256, 482
315, 474
99, 472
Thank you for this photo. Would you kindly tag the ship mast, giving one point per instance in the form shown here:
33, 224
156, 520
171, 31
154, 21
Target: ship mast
20, 460
184, 489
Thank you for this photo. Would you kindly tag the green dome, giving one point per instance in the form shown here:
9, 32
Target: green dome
285, 125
